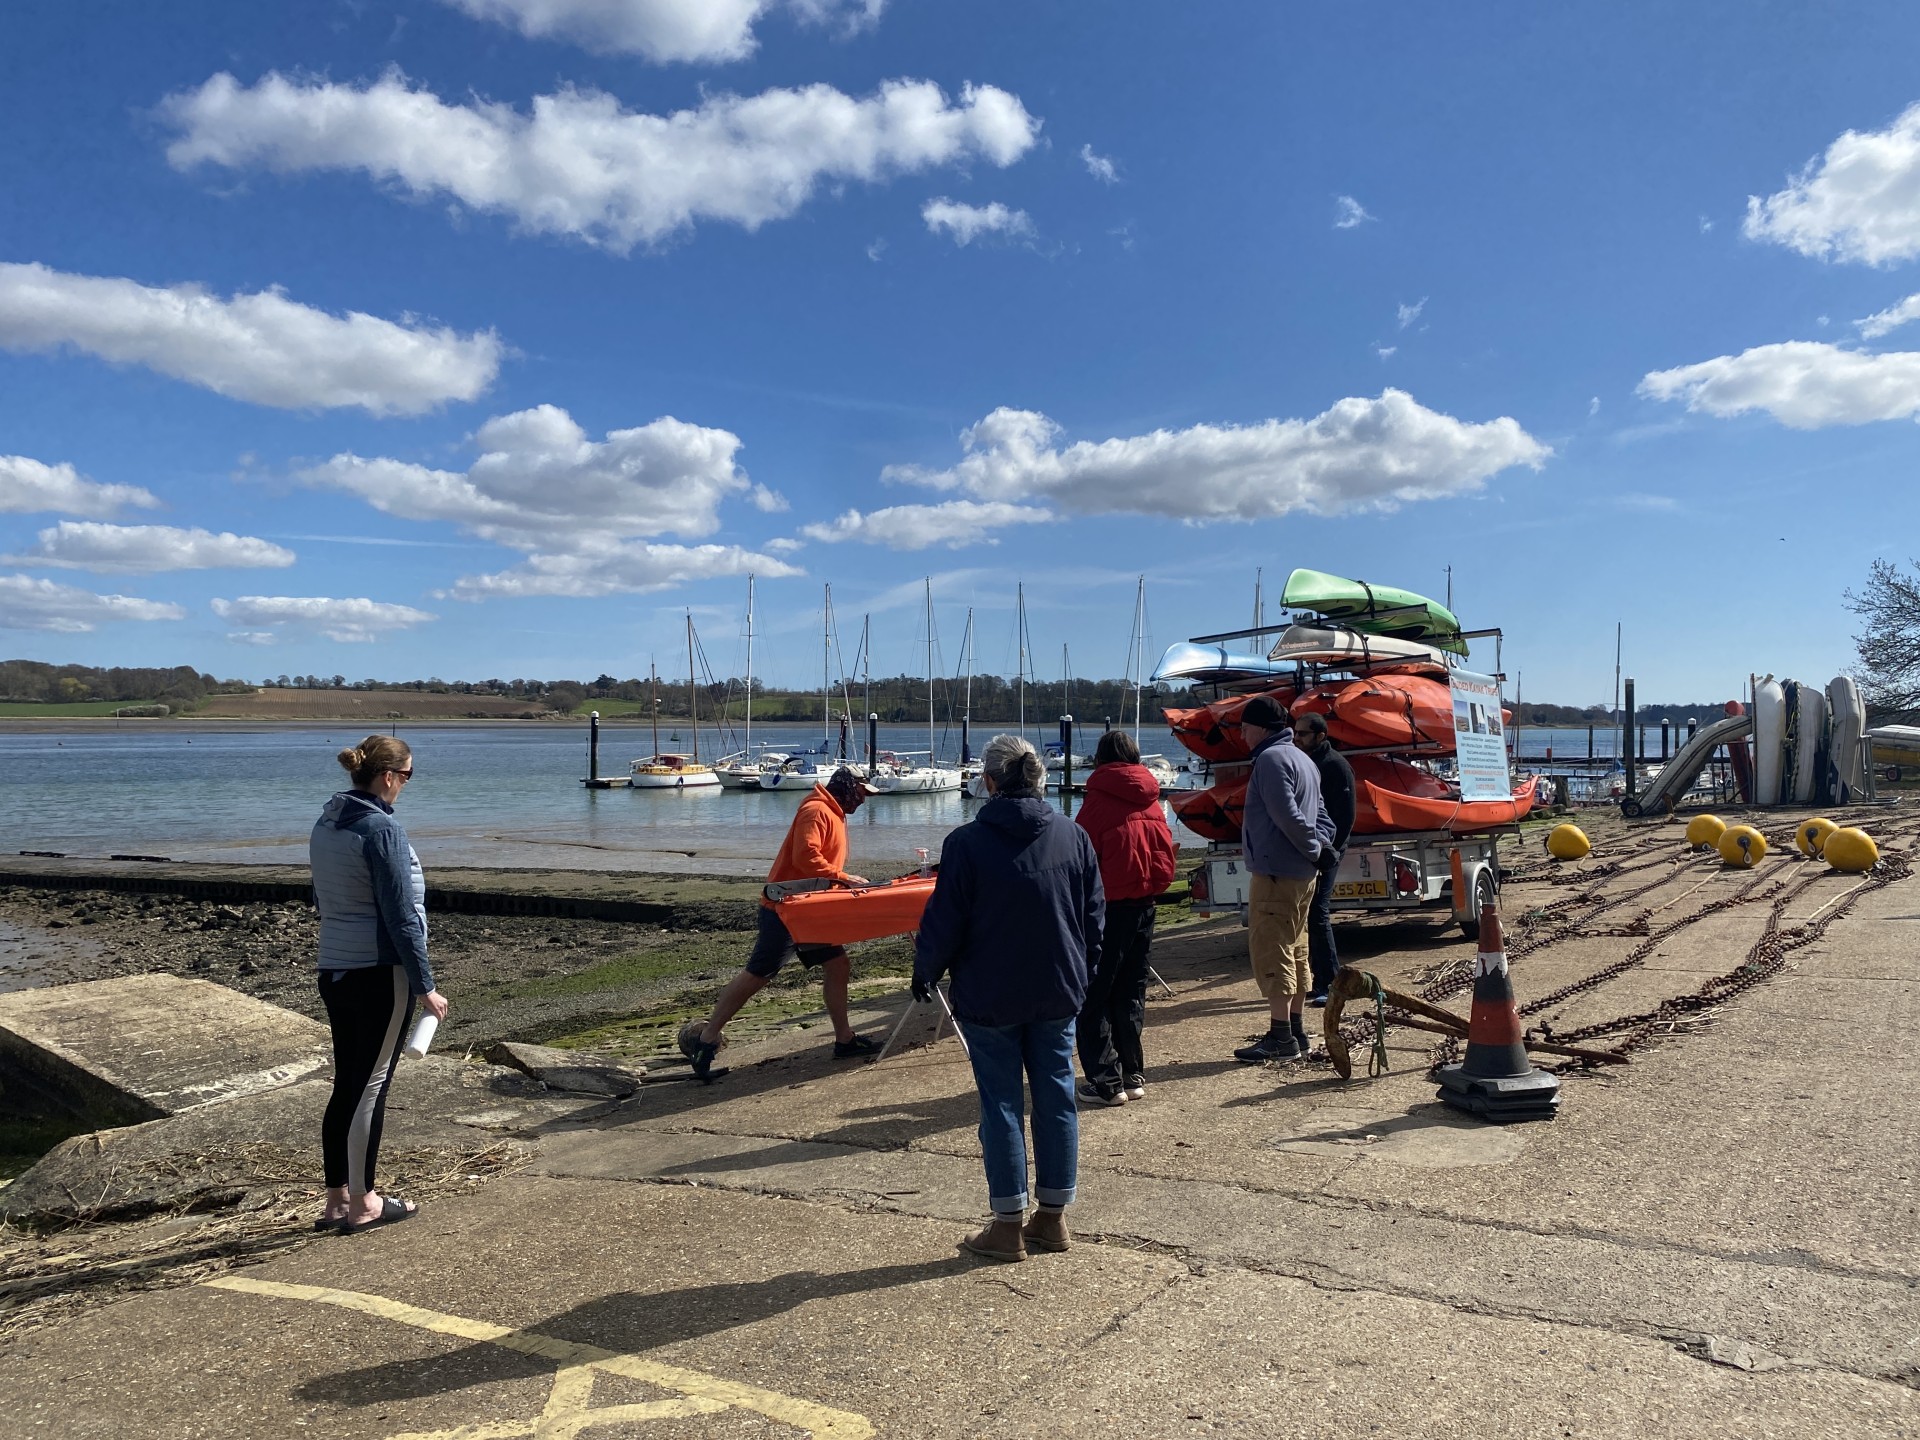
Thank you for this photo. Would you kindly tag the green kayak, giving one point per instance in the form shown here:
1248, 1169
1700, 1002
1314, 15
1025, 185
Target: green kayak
1375, 609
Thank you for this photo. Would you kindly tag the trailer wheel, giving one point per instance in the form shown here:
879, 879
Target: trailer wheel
1483, 894
1891, 774
1630, 809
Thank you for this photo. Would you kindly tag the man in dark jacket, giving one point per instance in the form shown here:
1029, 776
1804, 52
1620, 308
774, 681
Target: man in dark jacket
1336, 793
1015, 919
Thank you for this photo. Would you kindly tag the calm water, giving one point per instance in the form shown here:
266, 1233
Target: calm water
505, 796
484, 795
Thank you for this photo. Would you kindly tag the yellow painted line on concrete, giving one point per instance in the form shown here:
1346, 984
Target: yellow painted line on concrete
566, 1414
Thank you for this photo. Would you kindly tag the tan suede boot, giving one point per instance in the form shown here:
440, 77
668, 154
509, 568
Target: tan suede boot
1047, 1230
1001, 1240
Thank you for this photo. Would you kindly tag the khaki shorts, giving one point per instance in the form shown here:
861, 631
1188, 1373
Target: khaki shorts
1277, 935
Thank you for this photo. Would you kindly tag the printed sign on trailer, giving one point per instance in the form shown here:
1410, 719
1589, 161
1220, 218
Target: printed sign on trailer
1479, 735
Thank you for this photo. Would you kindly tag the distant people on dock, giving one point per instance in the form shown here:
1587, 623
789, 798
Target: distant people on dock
372, 899
1138, 858
815, 849
1285, 830
1337, 794
1015, 919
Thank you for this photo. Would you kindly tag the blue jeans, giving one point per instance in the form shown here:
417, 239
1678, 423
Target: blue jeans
1042, 1052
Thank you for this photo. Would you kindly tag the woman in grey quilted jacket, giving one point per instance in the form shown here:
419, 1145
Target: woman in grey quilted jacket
371, 895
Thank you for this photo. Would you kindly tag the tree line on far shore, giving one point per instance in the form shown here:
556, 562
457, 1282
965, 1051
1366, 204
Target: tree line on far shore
896, 699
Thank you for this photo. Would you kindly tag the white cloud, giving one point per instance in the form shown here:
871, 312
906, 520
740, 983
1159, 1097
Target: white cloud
580, 165
353, 621
619, 568
1407, 314
1386, 352
1640, 500
1803, 384
1892, 318
1349, 212
261, 347
29, 604
785, 545
252, 637
664, 31
1099, 166
27, 486
952, 523
769, 502
1593, 406
539, 481
147, 549
583, 510
1706, 226
877, 249
1860, 201
966, 223
1359, 454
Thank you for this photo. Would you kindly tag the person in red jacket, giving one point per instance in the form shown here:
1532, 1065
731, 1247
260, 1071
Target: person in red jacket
1137, 860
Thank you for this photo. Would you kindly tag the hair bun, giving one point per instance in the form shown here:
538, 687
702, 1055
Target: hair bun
352, 758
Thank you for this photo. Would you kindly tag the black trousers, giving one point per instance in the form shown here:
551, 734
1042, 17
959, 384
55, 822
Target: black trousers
1115, 1011
1322, 959
367, 1011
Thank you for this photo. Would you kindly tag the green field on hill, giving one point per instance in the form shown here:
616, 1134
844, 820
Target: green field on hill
79, 709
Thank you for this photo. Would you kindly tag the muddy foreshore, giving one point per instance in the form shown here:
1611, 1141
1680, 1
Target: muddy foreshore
621, 983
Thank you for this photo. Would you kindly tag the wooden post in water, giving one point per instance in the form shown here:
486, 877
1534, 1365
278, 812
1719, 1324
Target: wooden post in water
593, 748
873, 740
1626, 735
1589, 744
1066, 762
1666, 730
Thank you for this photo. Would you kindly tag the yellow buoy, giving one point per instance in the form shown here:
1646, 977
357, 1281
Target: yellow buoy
1743, 845
1568, 842
1704, 831
1811, 837
1851, 850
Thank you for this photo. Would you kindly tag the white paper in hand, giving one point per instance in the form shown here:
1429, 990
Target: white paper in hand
422, 1036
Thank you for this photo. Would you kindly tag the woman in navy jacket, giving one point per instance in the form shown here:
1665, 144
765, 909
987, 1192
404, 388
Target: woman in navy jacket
1015, 919
373, 965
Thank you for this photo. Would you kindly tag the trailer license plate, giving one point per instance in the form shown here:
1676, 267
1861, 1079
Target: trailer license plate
1360, 890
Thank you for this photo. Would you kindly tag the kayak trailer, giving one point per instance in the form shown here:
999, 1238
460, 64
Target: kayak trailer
1428, 870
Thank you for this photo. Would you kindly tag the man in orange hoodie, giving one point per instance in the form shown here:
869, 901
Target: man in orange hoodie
815, 849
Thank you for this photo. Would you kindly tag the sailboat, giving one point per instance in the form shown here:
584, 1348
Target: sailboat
976, 785
803, 769
676, 771
904, 777
744, 770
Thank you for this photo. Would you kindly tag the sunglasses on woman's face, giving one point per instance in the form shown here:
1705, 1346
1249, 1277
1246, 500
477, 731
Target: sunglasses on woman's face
405, 775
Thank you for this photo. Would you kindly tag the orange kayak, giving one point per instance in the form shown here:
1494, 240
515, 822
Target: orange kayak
1212, 732
842, 916
1404, 710
1390, 797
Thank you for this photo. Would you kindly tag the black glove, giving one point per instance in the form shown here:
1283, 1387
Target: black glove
923, 992
1329, 860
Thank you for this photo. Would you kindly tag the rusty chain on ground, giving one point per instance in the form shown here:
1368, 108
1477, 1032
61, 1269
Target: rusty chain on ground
1763, 960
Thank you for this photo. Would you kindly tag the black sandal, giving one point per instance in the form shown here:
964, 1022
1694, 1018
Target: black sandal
852, 1049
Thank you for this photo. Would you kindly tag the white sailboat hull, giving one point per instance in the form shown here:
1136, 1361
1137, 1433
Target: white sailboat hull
915, 782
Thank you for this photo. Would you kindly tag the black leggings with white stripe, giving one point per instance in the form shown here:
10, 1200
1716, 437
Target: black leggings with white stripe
368, 1012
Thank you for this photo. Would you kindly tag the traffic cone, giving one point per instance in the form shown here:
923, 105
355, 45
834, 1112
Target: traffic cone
1496, 1081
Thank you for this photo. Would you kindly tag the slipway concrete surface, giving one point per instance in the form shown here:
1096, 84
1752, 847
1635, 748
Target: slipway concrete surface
1718, 1239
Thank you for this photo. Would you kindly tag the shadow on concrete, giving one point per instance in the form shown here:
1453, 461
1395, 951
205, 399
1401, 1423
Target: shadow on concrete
1430, 1116
625, 1323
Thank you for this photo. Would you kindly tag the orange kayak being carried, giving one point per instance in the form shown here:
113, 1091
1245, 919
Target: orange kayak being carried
1212, 731
842, 915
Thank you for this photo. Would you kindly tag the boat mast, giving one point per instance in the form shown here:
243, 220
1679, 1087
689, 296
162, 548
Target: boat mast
1020, 643
966, 705
1137, 661
693, 690
826, 670
749, 667
653, 704
929, 672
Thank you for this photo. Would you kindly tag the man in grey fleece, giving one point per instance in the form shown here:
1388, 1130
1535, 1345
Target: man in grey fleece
1285, 829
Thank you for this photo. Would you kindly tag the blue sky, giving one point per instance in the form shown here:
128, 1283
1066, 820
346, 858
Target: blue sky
487, 337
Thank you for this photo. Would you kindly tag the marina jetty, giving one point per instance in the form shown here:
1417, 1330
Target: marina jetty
1715, 1238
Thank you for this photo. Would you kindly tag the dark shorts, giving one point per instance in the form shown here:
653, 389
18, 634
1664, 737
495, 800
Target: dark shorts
774, 945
